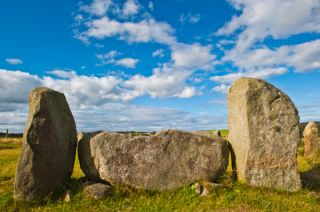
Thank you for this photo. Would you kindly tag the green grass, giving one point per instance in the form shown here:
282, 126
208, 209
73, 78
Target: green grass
8, 161
10, 143
232, 197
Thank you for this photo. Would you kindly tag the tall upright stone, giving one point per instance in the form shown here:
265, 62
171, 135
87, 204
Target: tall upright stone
310, 135
264, 134
48, 148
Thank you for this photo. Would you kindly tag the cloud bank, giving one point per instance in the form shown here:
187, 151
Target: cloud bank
250, 54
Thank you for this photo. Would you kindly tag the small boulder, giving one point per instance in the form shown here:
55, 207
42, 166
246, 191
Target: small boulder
67, 196
311, 143
264, 134
198, 187
97, 190
48, 146
205, 188
167, 160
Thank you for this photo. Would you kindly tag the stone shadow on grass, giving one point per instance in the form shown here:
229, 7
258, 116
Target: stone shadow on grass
233, 162
311, 179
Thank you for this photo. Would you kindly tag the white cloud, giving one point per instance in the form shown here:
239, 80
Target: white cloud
223, 88
15, 119
119, 116
86, 90
273, 19
187, 92
159, 85
225, 81
97, 7
15, 85
14, 61
190, 18
278, 18
108, 58
83, 90
309, 110
187, 56
224, 42
80, 90
100, 103
158, 53
123, 117
143, 31
63, 74
111, 58
193, 56
151, 5
261, 74
131, 7
11, 106
102, 26
111, 54
167, 83
301, 57
127, 62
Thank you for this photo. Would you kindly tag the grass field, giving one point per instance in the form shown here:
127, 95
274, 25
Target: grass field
232, 197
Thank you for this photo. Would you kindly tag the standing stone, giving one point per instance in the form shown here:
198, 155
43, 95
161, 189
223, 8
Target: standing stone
48, 148
84, 151
167, 160
264, 135
310, 135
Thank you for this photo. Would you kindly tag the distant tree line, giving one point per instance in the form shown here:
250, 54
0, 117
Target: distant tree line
11, 135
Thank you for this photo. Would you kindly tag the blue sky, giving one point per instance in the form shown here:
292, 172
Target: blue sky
152, 65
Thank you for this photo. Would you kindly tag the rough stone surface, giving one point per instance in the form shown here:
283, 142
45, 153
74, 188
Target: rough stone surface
48, 148
167, 160
97, 190
264, 135
209, 133
310, 135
